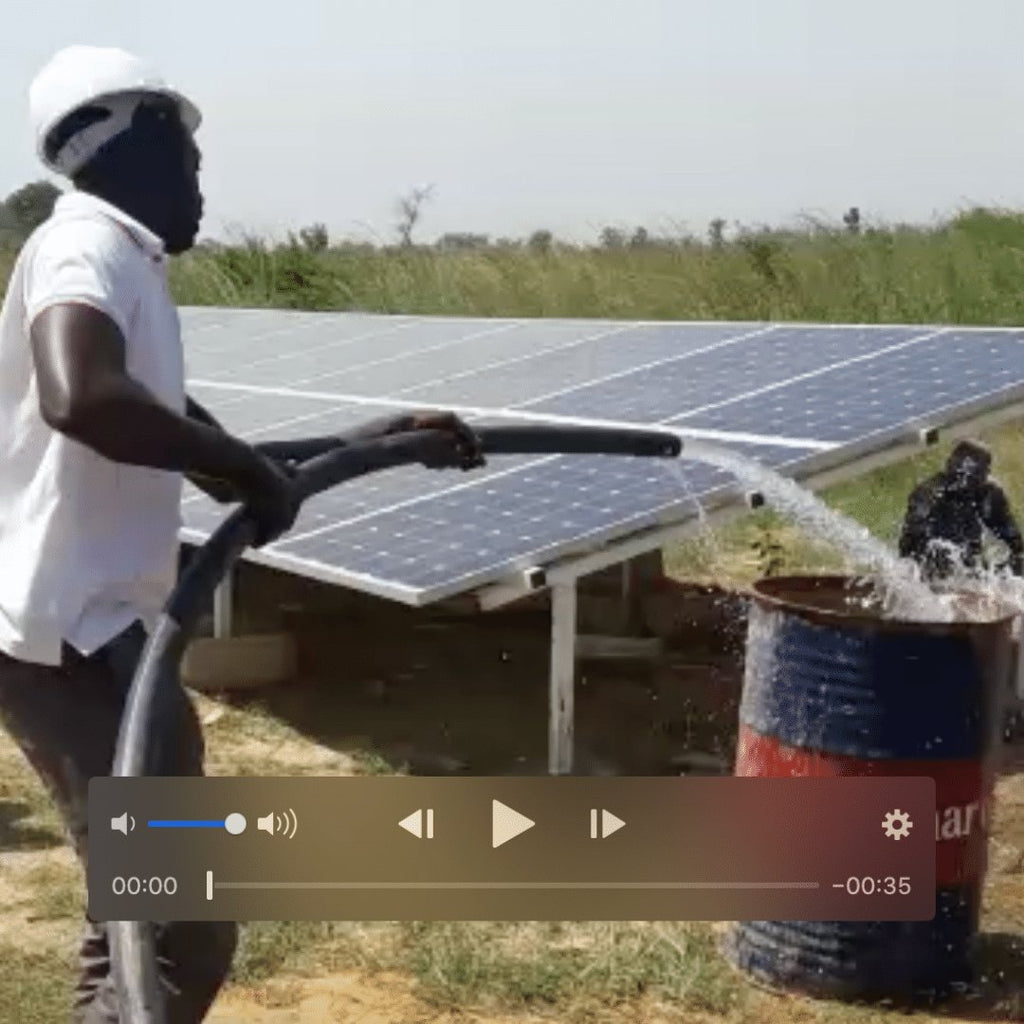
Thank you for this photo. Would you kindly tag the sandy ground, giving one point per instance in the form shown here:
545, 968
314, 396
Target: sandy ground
388, 999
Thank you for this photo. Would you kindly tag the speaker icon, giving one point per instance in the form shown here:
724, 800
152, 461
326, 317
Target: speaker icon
120, 824
285, 824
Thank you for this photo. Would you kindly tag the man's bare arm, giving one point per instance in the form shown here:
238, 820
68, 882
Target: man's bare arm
86, 393
197, 412
220, 490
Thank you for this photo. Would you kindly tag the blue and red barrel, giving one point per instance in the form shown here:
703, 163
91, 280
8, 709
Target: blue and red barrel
833, 688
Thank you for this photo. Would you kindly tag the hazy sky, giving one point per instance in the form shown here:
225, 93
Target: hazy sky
566, 114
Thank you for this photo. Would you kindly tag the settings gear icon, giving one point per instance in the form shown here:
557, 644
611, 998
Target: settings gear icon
897, 824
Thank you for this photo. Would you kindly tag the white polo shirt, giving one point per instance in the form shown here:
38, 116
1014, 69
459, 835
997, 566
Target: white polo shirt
87, 546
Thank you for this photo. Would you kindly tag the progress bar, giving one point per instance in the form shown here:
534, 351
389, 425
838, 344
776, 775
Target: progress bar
381, 886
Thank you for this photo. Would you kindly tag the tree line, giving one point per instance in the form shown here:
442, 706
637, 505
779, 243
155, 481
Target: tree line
24, 210
27, 207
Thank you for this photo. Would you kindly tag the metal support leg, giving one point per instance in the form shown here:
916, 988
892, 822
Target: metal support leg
639, 574
563, 677
1012, 707
626, 591
1015, 719
224, 606
1020, 659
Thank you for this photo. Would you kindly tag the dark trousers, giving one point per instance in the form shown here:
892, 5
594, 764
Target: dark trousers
65, 720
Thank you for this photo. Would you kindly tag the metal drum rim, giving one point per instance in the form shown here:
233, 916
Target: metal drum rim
782, 594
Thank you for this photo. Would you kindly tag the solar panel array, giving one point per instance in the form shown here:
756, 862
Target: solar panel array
781, 394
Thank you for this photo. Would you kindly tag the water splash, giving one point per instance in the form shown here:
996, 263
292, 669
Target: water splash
901, 591
991, 589
707, 531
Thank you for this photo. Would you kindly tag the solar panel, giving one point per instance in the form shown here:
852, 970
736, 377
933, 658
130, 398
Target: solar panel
925, 378
471, 533
783, 394
770, 357
603, 356
374, 492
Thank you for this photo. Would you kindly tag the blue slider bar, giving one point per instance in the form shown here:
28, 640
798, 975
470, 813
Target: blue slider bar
185, 824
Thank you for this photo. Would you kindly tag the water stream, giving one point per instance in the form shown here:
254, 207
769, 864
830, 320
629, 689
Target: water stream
901, 591
707, 532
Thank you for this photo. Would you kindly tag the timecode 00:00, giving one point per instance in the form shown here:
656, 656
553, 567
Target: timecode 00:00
888, 886
135, 886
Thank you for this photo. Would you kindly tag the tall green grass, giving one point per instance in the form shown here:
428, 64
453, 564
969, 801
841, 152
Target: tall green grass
966, 271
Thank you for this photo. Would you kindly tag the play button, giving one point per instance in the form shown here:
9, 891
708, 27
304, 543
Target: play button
506, 823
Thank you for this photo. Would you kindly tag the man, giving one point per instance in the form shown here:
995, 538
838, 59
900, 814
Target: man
948, 514
96, 434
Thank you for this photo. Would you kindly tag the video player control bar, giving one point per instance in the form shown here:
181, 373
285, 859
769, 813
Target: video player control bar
401, 848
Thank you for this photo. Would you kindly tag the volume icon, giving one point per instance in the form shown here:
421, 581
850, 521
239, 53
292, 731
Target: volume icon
285, 824
121, 823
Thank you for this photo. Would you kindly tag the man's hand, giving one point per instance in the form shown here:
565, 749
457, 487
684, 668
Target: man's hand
270, 497
460, 448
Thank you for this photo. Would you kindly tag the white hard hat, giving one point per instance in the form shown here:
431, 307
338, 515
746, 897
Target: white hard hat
78, 76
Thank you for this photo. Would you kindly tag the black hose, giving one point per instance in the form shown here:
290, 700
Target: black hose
571, 440
133, 943
529, 439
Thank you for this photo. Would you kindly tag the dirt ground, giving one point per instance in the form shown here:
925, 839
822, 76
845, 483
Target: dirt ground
438, 694
389, 999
